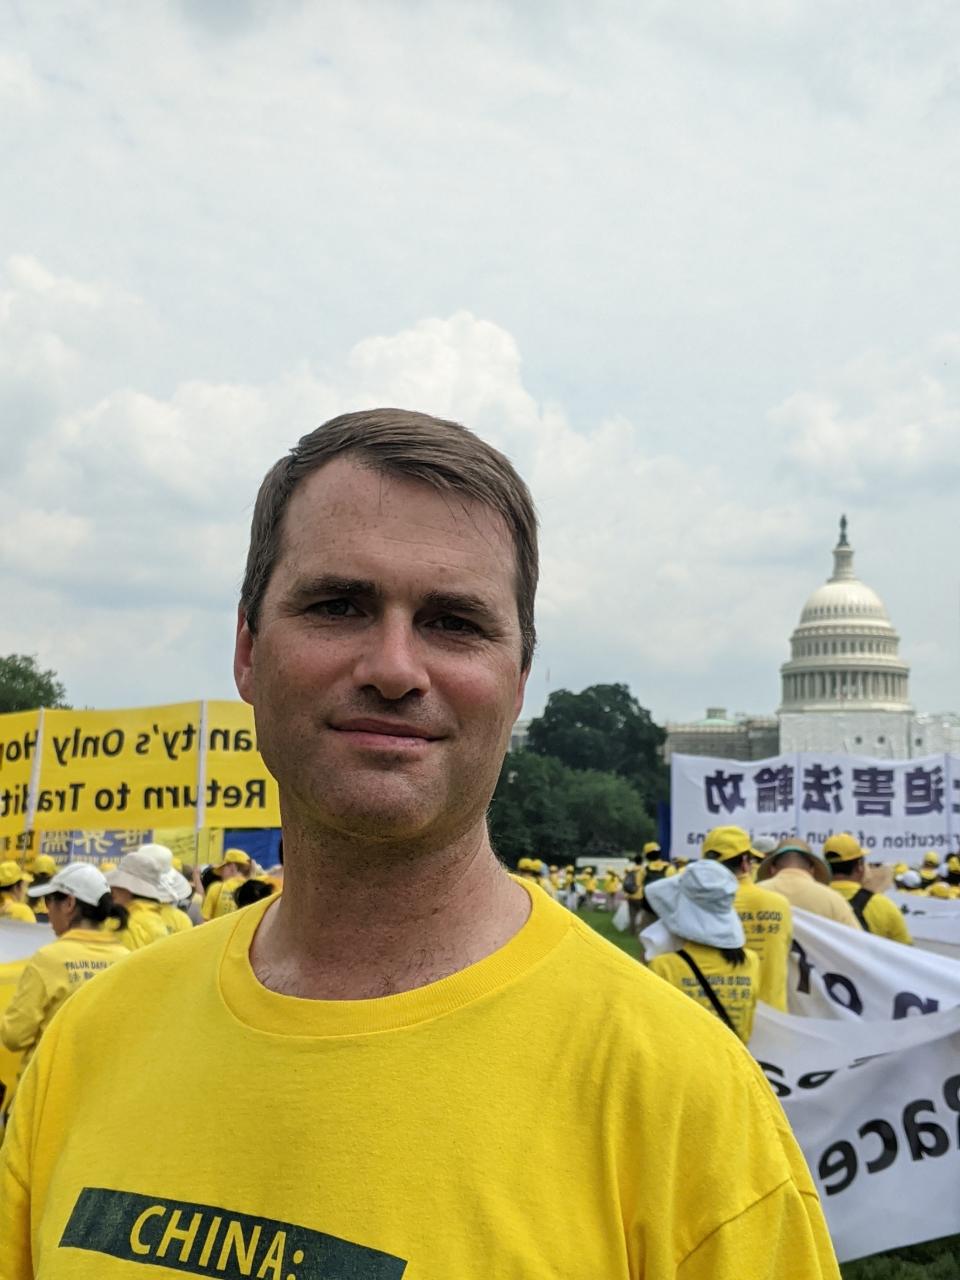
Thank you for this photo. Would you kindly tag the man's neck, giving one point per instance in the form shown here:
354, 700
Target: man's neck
355, 923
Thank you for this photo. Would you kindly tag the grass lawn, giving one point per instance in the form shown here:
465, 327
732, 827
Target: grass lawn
600, 920
936, 1260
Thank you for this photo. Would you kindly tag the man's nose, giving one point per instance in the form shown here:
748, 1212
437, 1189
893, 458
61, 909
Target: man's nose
391, 658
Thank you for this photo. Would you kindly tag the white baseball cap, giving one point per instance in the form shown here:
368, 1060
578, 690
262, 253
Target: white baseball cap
79, 879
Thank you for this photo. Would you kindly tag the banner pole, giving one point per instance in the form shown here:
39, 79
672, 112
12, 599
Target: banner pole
33, 785
201, 773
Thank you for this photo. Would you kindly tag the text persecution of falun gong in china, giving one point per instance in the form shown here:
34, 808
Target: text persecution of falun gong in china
181, 764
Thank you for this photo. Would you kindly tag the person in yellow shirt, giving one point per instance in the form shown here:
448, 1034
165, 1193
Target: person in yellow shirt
765, 915
803, 878
712, 965
234, 868
86, 921
42, 868
136, 884
953, 871
384, 638
876, 913
611, 887
13, 881
929, 876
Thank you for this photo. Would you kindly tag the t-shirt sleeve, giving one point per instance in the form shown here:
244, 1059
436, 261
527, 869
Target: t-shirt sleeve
781, 1237
24, 1015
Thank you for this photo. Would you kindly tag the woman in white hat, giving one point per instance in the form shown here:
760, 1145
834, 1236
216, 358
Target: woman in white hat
710, 964
137, 884
87, 923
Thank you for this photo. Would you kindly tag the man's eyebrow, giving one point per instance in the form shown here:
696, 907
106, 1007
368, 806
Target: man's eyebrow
329, 584
458, 602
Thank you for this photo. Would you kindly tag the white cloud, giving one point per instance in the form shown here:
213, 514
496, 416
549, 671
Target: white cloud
881, 427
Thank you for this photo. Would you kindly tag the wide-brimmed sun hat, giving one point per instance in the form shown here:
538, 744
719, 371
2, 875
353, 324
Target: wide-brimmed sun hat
140, 872
819, 867
698, 905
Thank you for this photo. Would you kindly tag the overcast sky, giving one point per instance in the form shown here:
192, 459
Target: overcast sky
694, 267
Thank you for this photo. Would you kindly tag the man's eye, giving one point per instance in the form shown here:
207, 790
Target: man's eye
450, 622
333, 608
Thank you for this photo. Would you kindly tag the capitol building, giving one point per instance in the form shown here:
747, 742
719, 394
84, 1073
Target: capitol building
845, 687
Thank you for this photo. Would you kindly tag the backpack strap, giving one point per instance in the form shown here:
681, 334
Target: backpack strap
707, 990
858, 902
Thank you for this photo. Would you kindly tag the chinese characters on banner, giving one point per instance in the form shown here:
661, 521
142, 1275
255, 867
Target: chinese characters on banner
893, 807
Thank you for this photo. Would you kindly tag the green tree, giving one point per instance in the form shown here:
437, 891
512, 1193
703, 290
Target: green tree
542, 808
606, 729
24, 687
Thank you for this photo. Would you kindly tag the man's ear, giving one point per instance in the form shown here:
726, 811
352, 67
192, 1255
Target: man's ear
243, 658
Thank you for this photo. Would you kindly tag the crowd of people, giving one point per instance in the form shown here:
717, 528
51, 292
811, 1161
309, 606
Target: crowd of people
100, 914
729, 915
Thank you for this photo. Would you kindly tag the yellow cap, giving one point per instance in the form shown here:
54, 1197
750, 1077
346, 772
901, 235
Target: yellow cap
901, 867
11, 873
651, 847
940, 890
43, 865
953, 863
107, 866
233, 855
928, 875
723, 843
842, 847
931, 858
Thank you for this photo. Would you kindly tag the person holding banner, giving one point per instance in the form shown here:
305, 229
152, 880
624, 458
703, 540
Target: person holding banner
12, 884
711, 965
399, 990
765, 915
803, 878
87, 922
876, 913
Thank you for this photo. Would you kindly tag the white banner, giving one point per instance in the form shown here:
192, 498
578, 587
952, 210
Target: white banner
897, 809
875, 1107
917, 904
836, 972
19, 940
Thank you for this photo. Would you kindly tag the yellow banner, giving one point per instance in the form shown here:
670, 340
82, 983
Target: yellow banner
239, 790
140, 768
18, 747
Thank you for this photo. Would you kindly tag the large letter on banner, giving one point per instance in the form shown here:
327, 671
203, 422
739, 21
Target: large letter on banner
836, 972
707, 792
239, 790
18, 747
875, 1108
119, 769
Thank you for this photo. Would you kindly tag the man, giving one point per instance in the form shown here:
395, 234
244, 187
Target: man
876, 913
400, 991
803, 877
765, 915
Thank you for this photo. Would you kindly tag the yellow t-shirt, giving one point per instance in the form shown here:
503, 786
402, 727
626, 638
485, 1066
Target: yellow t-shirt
220, 898
768, 927
50, 975
146, 925
175, 920
423, 1183
801, 890
11, 910
611, 883
884, 917
735, 986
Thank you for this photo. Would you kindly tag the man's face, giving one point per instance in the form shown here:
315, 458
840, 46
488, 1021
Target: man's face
385, 672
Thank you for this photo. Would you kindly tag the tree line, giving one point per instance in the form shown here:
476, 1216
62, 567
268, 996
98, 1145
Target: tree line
586, 783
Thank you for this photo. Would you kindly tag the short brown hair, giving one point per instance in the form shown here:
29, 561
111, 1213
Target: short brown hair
417, 446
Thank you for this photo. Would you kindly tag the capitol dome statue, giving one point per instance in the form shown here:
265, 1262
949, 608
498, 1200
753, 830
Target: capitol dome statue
845, 687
